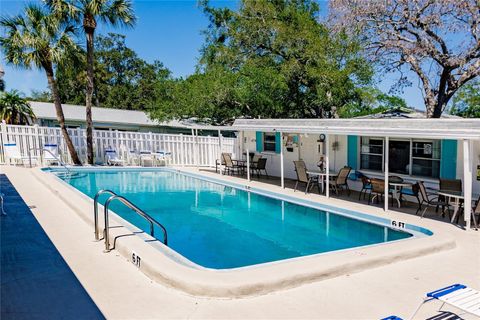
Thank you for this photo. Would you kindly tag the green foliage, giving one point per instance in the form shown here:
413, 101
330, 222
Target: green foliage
42, 96
122, 79
466, 102
268, 59
15, 109
370, 101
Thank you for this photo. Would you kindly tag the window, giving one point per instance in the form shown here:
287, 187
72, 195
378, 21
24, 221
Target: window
399, 156
426, 158
410, 157
371, 154
269, 141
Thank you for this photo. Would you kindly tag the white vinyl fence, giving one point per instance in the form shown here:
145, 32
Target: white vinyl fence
185, 149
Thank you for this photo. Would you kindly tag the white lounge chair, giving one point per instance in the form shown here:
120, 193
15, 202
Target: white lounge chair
162, 156
456, 295
112, 158
146, 156
12, 153
50, 153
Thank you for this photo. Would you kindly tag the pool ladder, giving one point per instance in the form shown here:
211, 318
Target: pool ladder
130, 205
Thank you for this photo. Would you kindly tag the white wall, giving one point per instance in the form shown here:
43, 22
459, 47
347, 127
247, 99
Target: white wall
475, 162
308, 151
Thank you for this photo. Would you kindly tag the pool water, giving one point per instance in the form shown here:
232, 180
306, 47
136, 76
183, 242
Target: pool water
222, 227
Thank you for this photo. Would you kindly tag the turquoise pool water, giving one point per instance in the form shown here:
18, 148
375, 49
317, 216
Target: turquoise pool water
222, 227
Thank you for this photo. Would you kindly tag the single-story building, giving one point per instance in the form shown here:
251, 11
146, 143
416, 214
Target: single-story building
414, 149
104, 119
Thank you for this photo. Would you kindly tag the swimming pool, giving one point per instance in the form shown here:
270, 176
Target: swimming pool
223, 227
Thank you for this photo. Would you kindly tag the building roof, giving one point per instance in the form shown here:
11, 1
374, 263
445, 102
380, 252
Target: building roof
405, 113
422, 128
46, 110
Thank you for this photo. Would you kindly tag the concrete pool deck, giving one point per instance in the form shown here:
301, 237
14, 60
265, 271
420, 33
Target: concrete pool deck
121, 291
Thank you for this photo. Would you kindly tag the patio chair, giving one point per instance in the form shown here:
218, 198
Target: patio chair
112, 158
456, 295
12, 153
230, 165
339, 182
377, 191
303, 177
50, 153
259, 166
366, 185
428, 201
217, 162
476, 212
413, 192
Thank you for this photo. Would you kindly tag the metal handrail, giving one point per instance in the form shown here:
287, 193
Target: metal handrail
138, 211
95, 209
51, 153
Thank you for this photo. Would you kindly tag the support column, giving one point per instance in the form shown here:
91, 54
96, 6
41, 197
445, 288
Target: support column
386, 173
467, 181
282, 178
248, 165
220, 152
327, 165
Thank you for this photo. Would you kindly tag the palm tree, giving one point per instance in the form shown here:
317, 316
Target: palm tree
40, 39
15, 109
113, 12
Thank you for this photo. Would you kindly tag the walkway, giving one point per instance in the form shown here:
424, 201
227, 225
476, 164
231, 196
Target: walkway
36, 283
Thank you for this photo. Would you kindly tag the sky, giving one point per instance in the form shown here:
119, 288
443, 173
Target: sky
168, 31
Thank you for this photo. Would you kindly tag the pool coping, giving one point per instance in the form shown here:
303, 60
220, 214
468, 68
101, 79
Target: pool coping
246, 281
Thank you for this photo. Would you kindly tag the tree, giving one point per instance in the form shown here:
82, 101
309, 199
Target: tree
15, 109
268, 59
113, 12
439, 40
122, 79
43, 40
44, 96
466, 103
372, 101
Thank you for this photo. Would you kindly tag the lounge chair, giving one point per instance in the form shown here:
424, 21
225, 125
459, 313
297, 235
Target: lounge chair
50, 154
162, 155
339, 182
12, 153
112, 158
303, 177
428, 201
458, 296
130, 156
146, 155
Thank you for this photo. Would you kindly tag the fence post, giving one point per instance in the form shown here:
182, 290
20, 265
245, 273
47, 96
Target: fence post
4, 138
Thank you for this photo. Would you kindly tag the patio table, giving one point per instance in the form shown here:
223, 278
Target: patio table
455, 197
397, 187
321, 177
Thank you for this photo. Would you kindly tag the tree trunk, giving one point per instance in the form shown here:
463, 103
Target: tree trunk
60, 117
89, 94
